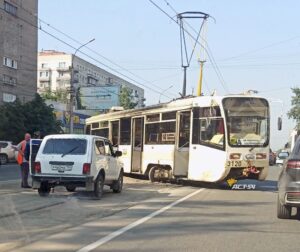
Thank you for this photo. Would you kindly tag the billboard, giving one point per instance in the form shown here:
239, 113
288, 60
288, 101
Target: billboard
64, 117
98, 98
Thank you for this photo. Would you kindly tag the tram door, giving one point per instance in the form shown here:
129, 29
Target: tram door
115, 132
181, 159
137, 144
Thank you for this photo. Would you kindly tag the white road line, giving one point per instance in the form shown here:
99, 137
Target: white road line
122, 230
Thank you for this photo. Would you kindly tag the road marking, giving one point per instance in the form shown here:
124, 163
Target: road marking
122, 230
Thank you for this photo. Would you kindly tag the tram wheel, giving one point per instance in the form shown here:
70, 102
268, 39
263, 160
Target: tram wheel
152, 171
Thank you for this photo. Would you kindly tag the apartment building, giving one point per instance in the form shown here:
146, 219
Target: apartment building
18, 50
54, 73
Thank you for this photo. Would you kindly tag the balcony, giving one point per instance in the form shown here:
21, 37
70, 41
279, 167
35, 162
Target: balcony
65, 77
43, 69
44, 79
91, 76
63, 69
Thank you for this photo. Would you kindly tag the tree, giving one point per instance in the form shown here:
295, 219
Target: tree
126, 98
294, 113
58, 95
17, 119
12, 121
40, 117
78, 99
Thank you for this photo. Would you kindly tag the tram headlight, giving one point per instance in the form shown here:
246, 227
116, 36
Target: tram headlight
235, 156
261, 156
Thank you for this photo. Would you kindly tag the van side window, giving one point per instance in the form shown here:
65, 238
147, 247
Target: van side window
99, 147
108, 148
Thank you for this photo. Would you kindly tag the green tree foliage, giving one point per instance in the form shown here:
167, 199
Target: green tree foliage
12, 121
17, 119
126, 98
294, 113
59, 95
40, 117
78, 99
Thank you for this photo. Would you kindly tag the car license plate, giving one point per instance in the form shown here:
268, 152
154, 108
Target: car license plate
61, 168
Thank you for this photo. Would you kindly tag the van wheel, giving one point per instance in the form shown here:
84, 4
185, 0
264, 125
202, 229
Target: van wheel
98, 186
3, 159
118, 184
151, 174
44, 189
70, 188
283, 211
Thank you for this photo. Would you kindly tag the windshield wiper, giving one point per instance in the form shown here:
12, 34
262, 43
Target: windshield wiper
70, 151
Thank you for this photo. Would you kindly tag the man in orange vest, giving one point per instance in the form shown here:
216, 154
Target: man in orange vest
23, 162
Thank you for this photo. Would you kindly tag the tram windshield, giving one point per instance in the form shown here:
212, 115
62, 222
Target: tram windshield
247, 121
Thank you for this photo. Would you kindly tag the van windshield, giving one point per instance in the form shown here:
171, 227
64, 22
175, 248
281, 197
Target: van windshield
63, 146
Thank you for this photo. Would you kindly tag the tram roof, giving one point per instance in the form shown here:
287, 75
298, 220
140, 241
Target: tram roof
183, 103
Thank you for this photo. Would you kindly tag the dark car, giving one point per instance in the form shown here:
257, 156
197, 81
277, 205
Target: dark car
289, 185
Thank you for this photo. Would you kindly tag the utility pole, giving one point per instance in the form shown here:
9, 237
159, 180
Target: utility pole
72, 90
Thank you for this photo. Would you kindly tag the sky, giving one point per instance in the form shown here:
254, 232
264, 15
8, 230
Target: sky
252, 45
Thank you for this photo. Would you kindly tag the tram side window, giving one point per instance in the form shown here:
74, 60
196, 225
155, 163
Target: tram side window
184, 130
208, 130
160, 133
152, 118
169, 116
100, 132
152, 133
212, 131
115, 133
95, 125
125, 131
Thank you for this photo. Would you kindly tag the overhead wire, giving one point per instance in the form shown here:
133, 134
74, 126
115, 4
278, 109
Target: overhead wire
207, 50
20, 87
66, 43
261, 48
97, 53
215, 67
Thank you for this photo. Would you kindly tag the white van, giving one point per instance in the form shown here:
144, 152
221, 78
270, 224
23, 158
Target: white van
77, 161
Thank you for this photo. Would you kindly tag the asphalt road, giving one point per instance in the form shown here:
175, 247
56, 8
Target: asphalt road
147, 217
10, 171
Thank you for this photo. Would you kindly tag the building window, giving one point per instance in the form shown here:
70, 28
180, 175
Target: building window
44, 65
62, 64
9, 97
10, 8
9, 80
10, 62
44, 74
91, 81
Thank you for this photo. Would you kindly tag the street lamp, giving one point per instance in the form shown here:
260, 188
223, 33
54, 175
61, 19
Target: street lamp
163, 92
72, 86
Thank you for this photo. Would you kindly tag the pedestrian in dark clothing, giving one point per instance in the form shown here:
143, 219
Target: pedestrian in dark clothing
27, 151
23, 160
